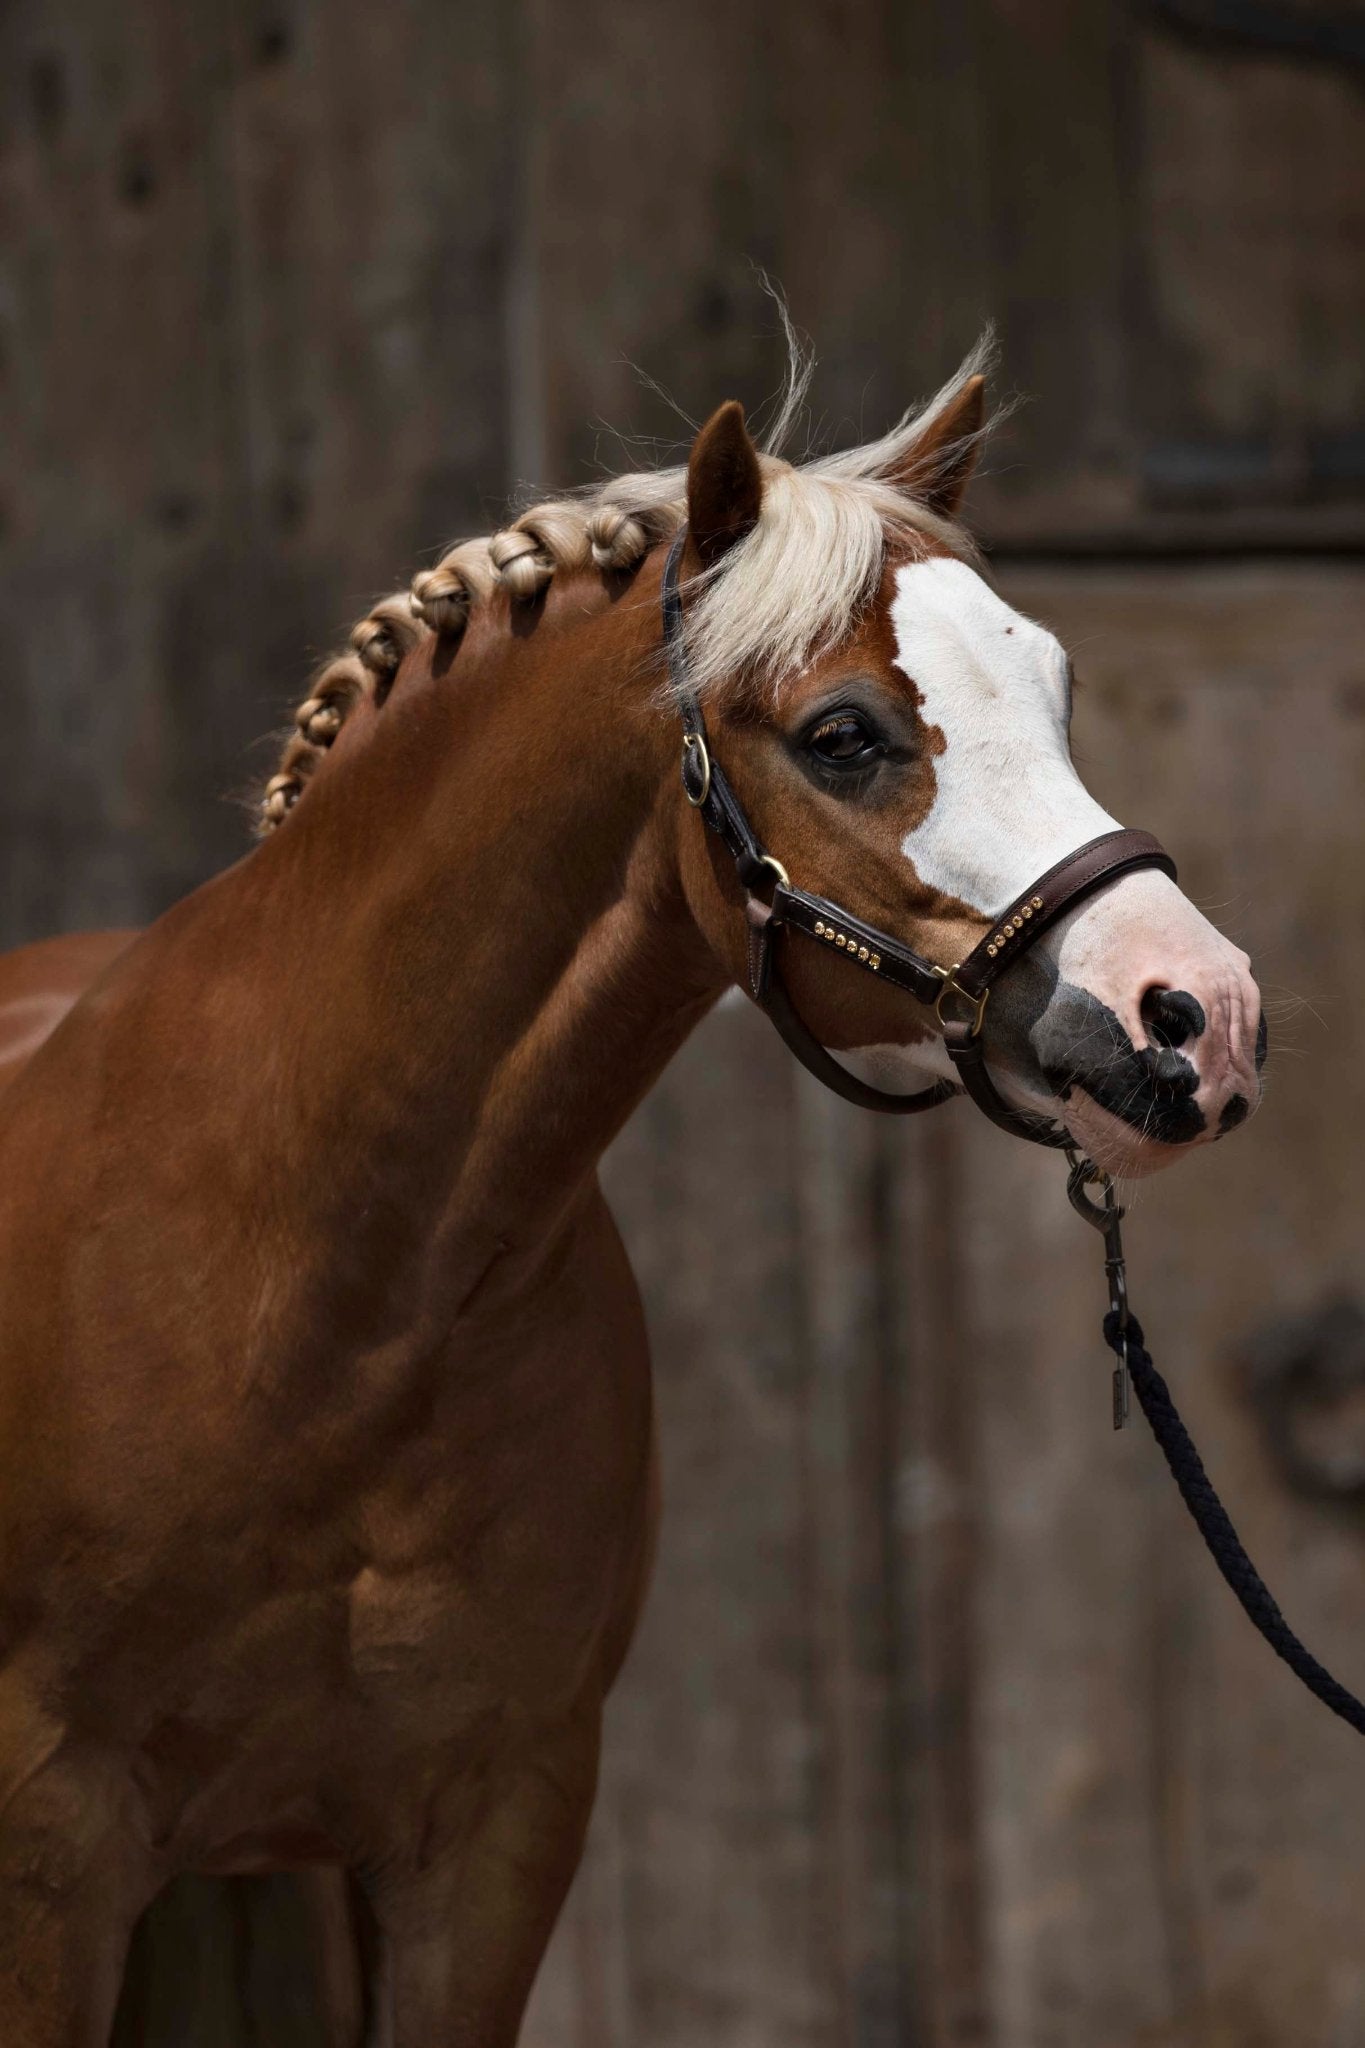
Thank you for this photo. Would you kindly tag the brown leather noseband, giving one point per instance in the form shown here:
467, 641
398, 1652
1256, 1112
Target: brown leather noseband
957, 994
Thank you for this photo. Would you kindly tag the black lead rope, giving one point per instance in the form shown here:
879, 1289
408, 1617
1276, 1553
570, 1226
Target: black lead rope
1123, 1334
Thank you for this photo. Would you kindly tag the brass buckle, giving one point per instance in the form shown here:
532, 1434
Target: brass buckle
953, 987
694, 739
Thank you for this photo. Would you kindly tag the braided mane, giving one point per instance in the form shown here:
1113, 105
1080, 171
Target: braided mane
782, 595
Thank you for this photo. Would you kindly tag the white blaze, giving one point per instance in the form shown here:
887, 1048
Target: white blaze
1008, 803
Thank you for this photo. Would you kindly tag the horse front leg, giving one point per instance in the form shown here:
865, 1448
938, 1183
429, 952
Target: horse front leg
73, 1881
462, 1937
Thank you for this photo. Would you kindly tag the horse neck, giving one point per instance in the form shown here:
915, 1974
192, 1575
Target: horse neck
500, 959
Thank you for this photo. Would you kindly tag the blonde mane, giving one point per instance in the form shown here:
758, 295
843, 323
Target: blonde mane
784, 594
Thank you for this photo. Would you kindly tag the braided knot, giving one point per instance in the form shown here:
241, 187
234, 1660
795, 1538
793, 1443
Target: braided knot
385, 635
621, 533
282, 792
617, 540
444, 596
523, 565
383, 638
298, 761
527, 553
317, 721
320, 716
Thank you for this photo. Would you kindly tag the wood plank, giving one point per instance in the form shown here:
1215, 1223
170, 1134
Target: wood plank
1250, 386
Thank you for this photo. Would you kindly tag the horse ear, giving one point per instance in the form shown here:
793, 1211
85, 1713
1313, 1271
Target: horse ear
724, 483
938, 467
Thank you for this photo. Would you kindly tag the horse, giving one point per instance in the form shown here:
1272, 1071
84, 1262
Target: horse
328, 1484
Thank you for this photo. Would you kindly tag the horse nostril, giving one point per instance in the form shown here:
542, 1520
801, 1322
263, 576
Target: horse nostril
1171, 1016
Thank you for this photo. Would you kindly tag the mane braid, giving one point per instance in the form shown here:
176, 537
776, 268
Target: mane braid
783, 595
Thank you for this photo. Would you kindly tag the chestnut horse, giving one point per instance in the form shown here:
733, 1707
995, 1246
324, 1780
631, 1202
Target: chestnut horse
328, 1486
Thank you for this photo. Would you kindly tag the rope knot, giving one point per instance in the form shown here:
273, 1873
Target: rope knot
1114, 1335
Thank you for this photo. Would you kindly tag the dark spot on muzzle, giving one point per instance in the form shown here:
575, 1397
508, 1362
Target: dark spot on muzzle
1235, 1111
1262, 1043
1080, 1043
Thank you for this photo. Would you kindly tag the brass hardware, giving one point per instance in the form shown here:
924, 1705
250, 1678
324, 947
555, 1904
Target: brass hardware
768, 861
694, 739
1013, 925
874, 962
952, 987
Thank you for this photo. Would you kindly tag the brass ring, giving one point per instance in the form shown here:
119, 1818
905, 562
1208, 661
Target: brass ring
694, 739
953, 987
767, 860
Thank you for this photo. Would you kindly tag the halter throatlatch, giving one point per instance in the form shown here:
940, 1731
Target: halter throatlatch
957, 994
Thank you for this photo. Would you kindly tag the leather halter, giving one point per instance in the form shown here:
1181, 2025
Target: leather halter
956, 994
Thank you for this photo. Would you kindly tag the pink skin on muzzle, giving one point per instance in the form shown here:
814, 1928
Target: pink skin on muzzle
1128, 944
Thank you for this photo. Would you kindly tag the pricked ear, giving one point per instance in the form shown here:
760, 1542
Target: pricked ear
724, 483
938, 468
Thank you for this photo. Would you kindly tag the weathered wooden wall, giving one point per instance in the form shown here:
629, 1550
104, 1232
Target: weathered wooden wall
942, 1730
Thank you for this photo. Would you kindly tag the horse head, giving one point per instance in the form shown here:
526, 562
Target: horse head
900, 736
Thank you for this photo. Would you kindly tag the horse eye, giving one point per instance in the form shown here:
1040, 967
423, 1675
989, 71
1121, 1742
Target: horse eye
844, 739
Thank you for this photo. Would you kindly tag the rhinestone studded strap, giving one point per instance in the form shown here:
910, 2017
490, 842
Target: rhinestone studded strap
1065, 885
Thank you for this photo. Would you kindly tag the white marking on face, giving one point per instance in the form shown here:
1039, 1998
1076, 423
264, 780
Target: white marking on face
1008, 806
900, 1069
1009, 803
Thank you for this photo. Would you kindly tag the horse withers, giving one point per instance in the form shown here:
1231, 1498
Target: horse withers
327, 1472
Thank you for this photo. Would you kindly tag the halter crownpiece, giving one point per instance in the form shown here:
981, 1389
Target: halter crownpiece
957, 994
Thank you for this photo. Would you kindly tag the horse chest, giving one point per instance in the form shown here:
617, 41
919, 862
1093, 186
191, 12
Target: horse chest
432, 1649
